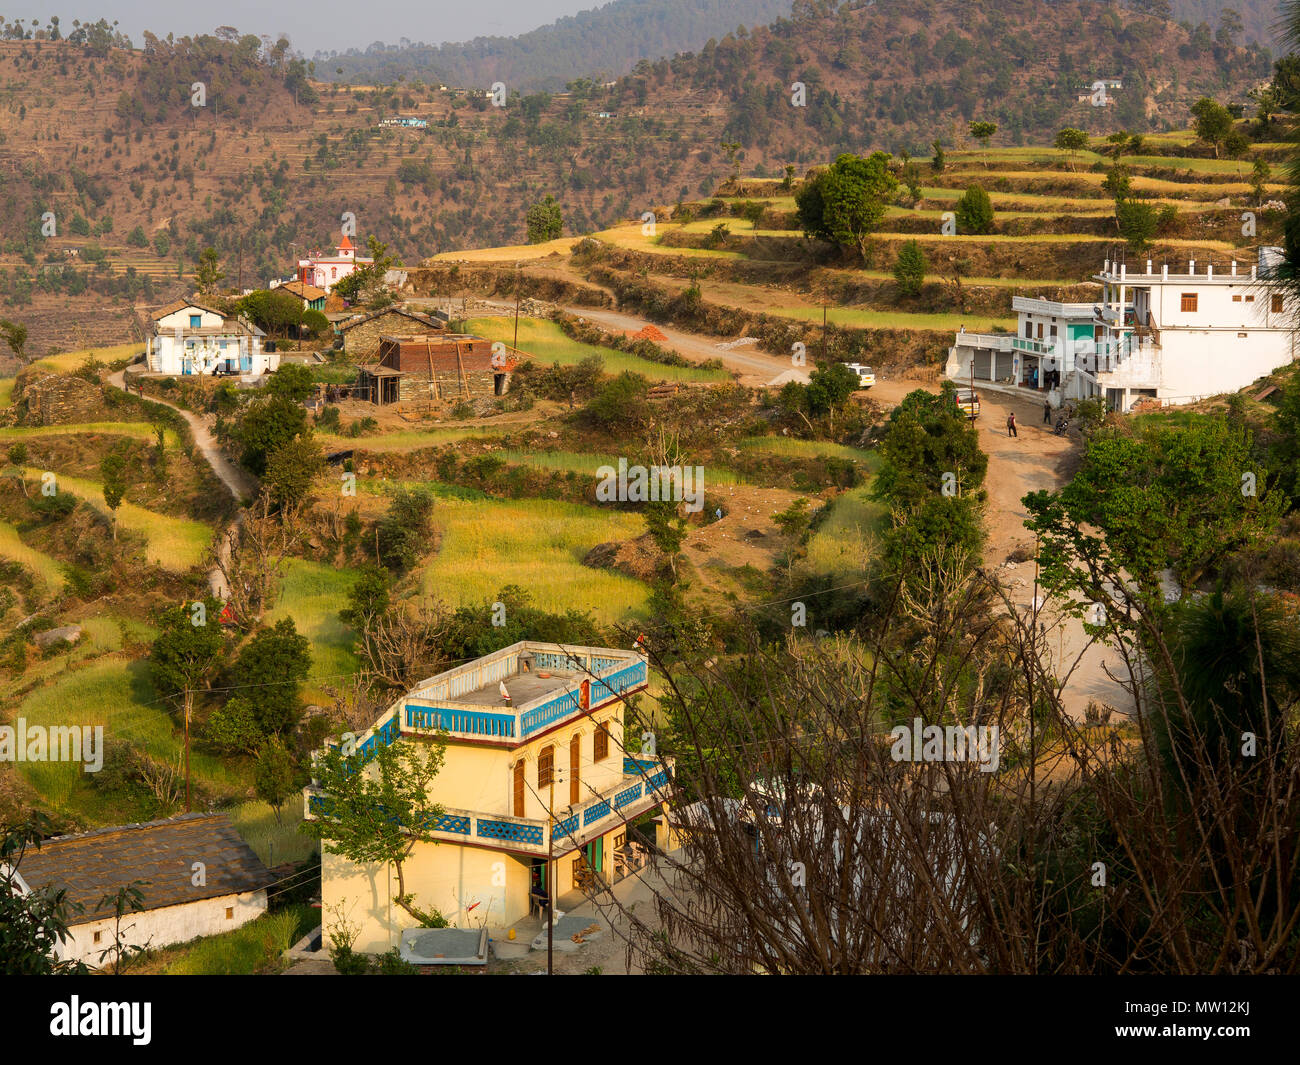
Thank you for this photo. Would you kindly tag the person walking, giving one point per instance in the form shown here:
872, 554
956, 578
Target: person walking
1047, 412
1011, 425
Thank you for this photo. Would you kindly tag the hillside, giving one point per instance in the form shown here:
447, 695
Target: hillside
140, 181
606, 42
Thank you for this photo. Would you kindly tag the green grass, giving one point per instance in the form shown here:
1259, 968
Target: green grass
138, 430
275, 842
633, 239
547, 344
587, 463
254, 948
67, 361
175, 544
313, 594
114, 692
407, 438
538, 544
852, 316
844, 543
49, 571
6, 390
790, 447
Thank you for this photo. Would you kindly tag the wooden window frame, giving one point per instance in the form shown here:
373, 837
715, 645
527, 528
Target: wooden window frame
1277, 303
575, 769
1189, 302
600, 743
545, 767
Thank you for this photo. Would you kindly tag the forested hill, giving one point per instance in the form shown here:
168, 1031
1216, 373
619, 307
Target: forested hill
1258, 18
608, 41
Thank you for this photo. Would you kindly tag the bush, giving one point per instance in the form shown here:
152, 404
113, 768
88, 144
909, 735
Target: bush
975, 211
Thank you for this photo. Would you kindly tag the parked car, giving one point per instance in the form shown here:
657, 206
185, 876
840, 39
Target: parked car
968, 402
866, 376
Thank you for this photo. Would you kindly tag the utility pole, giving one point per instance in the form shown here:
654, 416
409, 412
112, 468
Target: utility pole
516, 343
823, 330
550, 876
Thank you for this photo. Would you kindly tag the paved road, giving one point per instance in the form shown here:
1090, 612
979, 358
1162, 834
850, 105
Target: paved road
241, 484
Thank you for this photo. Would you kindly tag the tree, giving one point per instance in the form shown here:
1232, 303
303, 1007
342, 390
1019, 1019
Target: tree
975, 211
112, 468
291, 471
1230, 28
18, 457
983, 132
1213, 123
845, 202
33, 924
1259, 175
544, 221
209, 274
276, 775
366, 283
279, 313
1137, 223
15, 336
910, 267
937, 161
270, 669
267, 424
1071, 140
187, 646
294, 382
402, 534
374, 807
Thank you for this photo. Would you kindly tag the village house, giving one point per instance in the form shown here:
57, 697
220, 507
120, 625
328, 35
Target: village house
326, 271
311, 297
187, 337
539, 792
1170, 333
434, 366
361, 332
196, 875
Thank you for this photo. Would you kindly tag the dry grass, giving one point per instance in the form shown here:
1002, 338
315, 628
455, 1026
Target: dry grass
49, 571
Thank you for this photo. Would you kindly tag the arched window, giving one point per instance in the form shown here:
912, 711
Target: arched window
575, 763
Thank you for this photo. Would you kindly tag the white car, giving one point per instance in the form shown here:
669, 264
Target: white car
866, 376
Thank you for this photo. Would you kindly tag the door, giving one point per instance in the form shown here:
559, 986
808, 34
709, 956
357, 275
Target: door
519, 789
594, 854
575, 758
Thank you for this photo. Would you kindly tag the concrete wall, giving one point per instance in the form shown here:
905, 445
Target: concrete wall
165, 926
444, 875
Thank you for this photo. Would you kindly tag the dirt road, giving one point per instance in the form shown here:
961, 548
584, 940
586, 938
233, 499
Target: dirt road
240, 483
1035, 459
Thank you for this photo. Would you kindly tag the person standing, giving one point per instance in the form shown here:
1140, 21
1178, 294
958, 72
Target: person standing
1011, 425
1047, 412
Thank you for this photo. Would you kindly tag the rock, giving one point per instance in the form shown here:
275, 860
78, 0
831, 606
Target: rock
639, 558
1224, 202
63, 634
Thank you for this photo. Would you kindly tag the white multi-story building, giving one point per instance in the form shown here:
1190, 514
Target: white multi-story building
326, 271
192, 338
1175, 334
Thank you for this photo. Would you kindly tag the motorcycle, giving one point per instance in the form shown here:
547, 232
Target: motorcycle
1062, 424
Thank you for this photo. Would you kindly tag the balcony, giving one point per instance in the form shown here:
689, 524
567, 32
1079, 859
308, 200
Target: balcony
546, 683
645, 784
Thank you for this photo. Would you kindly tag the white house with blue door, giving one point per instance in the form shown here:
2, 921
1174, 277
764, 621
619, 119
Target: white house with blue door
538, 791
1167, 333
192, 338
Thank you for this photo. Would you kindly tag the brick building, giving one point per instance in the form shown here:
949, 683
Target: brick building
439, 366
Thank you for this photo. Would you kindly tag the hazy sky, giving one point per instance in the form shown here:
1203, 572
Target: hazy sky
312, 26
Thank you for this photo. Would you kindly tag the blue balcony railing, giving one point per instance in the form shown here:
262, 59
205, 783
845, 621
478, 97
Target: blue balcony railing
510, 831
469, 722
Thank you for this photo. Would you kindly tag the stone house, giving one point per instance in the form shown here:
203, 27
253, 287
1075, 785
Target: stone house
437, 366
361, 334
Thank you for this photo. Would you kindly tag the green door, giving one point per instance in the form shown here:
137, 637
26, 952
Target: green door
594, 852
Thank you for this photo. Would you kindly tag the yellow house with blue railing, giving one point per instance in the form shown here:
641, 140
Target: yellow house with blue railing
537, 792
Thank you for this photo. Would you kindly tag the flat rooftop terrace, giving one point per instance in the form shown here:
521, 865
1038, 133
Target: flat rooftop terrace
523, 688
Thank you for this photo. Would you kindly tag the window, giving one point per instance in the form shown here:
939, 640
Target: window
1276, 305
230, 913
575, 763
195, 320
519, 789
1250, 299
600, 744
1040, 330
545, 766
1029, 330
1189, 301
1236, 299
97, 935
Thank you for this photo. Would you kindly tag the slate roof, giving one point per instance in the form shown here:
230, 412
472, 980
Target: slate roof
304, 291
91, 865
415, 316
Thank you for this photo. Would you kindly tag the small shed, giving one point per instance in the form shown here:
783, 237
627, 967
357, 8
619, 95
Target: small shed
195, 872
436, 366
